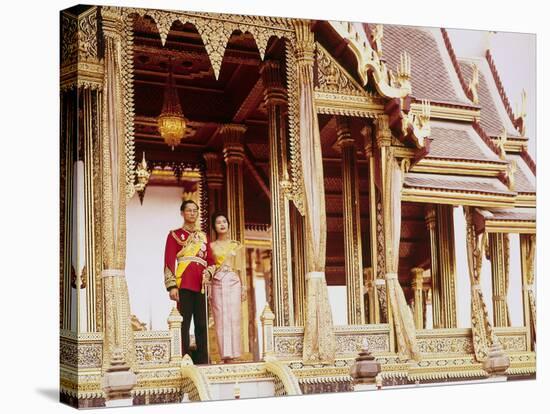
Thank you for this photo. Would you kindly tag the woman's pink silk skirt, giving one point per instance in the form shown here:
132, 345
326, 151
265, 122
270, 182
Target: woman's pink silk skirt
226, 309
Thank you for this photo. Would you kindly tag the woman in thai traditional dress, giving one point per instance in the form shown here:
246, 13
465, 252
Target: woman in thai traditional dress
227, 291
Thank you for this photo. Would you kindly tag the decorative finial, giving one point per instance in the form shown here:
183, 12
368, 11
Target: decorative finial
511, 175
501, 144
404, 71
497, 362
142, 175
377, 36
425, 114
521, 113
365, 368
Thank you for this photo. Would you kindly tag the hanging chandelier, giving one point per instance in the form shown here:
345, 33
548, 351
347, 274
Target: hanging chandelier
171, 122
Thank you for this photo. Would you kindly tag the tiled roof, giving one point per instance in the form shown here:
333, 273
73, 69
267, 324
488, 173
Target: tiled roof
500, 87
447, 182
456, 141
523, 214
492, 121
524, 179
430, 76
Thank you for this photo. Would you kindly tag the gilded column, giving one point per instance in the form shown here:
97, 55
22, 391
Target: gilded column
434, 250
233, 153
447, 264
298, 265
352, 224
417, 285
90, 98
214, 184
319, 340
275, 99
372, 272
383, 144
119, 349
81, 85
527, 247
67, 158
499, 253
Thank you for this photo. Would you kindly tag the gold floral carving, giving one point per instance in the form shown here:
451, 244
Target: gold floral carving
296, 174
169, 278
216, 29
288, 342
88, 35
333, 77
77, 355
234, 372
152, 353
80, 64
69, 39
513, 343
96, 214
445, 345
127, 86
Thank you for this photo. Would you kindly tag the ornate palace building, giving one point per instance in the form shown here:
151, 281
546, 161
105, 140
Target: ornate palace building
380, 183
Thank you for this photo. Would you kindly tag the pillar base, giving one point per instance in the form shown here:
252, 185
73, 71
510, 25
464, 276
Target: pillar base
123, 402
365, 387
118, 382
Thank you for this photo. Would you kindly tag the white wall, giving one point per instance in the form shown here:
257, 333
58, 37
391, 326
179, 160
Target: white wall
261, 301
462, 273
337, 297
147, 228
515, 300
487, 286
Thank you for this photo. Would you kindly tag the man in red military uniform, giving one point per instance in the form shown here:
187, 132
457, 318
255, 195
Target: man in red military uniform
187, 260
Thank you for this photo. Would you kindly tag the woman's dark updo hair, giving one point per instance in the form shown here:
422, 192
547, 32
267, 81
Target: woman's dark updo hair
215, 216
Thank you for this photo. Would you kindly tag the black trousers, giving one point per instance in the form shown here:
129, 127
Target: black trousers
193, 305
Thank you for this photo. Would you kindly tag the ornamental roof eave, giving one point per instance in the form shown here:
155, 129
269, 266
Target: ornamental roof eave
474, 185
508, 220
406, 125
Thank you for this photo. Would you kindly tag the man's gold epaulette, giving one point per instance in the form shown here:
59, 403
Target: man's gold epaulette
175, 236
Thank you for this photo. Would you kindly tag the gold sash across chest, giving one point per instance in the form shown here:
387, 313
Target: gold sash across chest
188, 253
